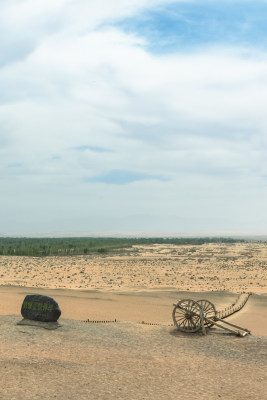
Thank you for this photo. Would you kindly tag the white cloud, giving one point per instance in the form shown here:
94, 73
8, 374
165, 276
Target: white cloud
198, 119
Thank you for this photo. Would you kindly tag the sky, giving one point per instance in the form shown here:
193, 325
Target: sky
133, 117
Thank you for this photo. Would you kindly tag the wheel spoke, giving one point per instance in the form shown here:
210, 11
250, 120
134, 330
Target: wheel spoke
208, 309
180, 321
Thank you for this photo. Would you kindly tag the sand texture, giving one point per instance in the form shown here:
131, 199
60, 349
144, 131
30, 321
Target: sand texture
128, 359
233, 267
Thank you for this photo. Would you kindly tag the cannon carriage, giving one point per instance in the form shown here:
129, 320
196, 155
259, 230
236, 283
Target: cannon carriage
191, 316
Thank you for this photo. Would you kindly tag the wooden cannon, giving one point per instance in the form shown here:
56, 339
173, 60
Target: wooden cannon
191, 316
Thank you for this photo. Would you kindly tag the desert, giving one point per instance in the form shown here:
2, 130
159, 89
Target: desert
117, 338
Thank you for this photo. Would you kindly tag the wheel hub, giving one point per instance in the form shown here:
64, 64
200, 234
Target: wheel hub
188, 315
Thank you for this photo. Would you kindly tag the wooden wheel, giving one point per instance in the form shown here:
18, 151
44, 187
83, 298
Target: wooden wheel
209, 311
186, 315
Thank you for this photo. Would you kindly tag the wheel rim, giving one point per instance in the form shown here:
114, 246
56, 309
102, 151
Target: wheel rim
187, 315
209, 311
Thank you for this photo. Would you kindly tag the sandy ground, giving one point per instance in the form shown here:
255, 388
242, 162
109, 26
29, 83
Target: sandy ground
233, 267
128, 359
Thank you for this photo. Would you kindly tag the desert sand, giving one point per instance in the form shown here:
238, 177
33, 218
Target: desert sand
128, 359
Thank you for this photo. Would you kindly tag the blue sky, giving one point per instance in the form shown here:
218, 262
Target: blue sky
187, 25
117, 177
133, 117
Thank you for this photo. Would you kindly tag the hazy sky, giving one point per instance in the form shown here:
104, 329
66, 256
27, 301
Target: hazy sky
133, 116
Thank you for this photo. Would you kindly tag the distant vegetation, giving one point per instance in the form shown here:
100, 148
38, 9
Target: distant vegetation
81, 246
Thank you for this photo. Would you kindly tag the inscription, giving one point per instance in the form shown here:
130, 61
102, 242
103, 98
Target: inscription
29, 305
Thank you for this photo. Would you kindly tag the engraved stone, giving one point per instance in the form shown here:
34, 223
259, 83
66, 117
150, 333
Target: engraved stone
40, 308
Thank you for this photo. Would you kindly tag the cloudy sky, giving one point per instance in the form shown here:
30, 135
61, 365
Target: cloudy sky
133, 116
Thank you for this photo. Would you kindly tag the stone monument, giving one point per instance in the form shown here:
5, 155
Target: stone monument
39, 310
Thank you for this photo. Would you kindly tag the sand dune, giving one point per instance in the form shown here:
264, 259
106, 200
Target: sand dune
128, 359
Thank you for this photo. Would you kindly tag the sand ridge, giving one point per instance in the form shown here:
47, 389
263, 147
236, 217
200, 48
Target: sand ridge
234, 267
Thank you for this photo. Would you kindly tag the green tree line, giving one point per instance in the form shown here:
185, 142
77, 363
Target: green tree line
77, 246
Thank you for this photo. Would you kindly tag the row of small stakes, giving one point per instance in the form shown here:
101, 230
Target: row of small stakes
93, 321
226, 312
236, 306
